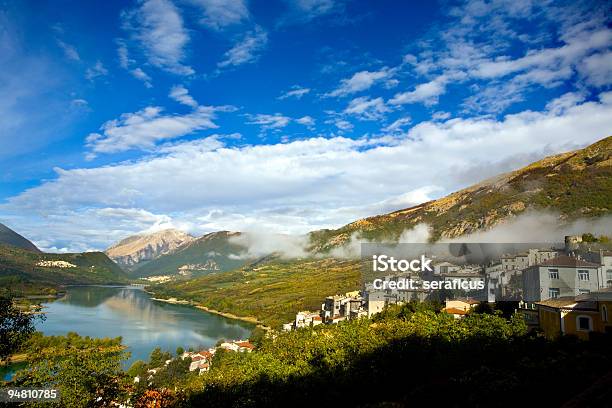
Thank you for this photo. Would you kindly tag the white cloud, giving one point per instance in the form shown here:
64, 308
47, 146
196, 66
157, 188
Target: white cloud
303, 185
219, 14
397, 125
180, 94
365, 108
481, 42
303, 11
296, 92
158, 26
69, 50
343, 124
126, 62
307, 121
247, 50
123, 55
269, 122
361, 81
143, 129
96, 71
139, 74
426, 93
549, 58
597, 69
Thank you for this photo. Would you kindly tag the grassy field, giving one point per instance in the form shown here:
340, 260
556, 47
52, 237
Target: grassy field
271, 292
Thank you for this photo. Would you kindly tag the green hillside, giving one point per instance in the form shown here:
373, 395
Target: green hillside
575, 184
10, 237
22, 269
272, 291
210, 253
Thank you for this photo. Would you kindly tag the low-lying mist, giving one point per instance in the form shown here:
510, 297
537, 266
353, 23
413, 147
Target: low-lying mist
532, 226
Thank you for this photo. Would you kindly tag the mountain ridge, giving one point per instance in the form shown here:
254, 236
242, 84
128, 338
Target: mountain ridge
134, 251
212, 252
10, 237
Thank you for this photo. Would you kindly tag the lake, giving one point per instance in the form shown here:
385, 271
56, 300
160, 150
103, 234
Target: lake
143, 323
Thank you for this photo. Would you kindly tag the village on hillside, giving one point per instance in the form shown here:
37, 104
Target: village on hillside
564, 289
201, 360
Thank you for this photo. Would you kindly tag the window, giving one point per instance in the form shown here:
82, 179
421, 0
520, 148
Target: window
553, 273
553, 293
584, 323
583, 274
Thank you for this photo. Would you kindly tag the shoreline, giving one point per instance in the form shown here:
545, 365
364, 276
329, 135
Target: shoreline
228, 315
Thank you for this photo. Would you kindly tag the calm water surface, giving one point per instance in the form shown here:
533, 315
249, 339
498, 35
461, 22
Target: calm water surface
143, 323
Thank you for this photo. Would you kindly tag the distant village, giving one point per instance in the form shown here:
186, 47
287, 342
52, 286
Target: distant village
201, 360
565, 290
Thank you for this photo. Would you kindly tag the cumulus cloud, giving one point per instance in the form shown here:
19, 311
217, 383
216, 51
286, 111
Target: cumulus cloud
303, 11
307, 184
126, 63
362, 81
218, 14
485, 46
157, 26
180, 94
596, 69
307, 121
426, 93
397, 125
140, 75
269, 122
365, 108
143, 129
342, 124
296, 92
247, 50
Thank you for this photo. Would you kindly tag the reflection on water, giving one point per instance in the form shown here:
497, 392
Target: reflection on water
143, 324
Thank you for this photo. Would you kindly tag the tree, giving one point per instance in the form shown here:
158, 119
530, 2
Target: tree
257, 336
85, 375
158, 357
138, 368
16, 327
172, 374
179, 350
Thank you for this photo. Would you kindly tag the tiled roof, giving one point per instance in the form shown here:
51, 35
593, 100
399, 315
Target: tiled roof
567, 302
246, 344
454, 310
568, 261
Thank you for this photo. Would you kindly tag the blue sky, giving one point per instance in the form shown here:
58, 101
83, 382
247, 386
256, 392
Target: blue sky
282, 116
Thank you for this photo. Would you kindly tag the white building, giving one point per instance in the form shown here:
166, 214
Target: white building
560, 277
